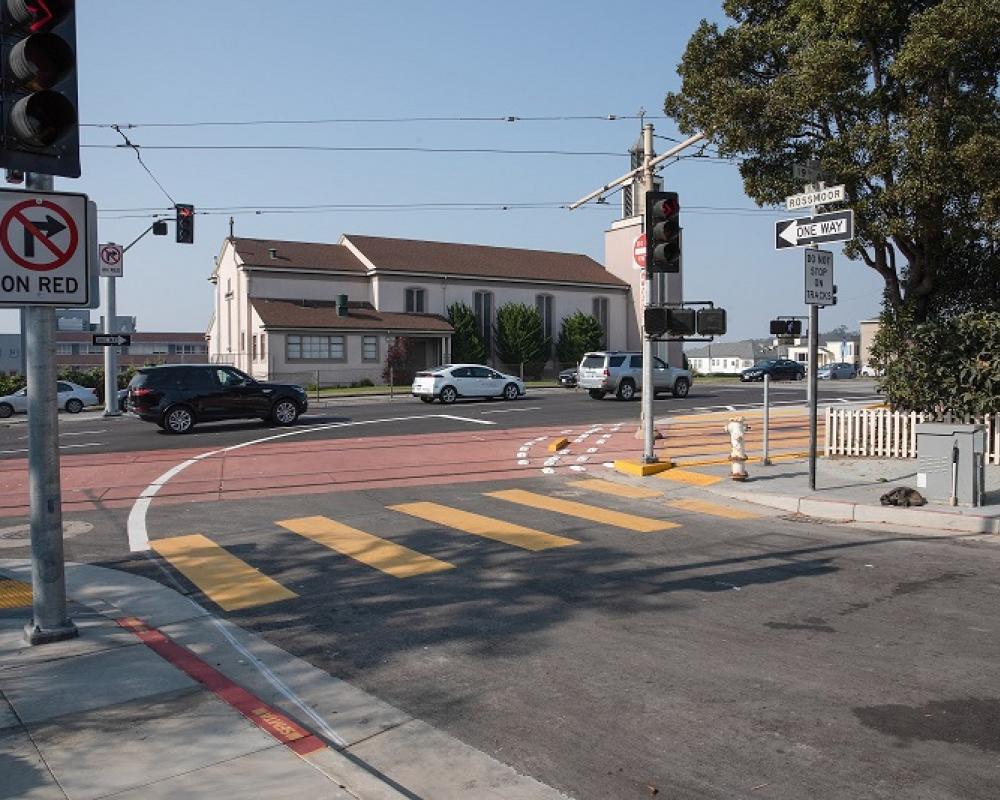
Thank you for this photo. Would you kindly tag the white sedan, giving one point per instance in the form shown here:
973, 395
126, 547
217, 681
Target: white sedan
70, 396
451, 381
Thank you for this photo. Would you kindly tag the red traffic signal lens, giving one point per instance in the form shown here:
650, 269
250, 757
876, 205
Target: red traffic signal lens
37, 15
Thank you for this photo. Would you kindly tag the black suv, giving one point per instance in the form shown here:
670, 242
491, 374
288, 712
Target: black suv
176, 396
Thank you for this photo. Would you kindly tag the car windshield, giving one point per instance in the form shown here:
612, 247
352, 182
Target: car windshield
770, 362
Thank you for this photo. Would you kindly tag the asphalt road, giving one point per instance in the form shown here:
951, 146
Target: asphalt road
91, 432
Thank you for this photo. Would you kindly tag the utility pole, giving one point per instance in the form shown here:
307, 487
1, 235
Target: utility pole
646, 411
49, 622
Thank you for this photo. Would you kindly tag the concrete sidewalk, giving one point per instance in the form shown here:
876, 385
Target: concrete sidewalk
157, 698
848, 490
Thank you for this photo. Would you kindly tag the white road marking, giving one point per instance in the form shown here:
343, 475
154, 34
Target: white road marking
138, 535
548, 470
511, 410
592, 449
61, 447
523, 462
551, 460
577, 468
583, 458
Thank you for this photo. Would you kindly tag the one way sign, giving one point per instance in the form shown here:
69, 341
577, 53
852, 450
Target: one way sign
835, 227
112, 339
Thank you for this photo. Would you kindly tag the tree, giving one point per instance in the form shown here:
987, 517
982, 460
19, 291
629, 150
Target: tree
466, 343
897, 99
397, 368
520, 339
579, 334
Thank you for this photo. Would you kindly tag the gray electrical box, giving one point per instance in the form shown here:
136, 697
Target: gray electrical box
951, 462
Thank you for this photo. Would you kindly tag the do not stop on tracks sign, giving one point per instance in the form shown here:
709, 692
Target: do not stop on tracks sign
44, 249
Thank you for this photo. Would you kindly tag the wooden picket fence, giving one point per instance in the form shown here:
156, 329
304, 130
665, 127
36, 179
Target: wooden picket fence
882, 433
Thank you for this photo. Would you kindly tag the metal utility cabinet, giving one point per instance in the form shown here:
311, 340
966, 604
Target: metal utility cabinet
951, 462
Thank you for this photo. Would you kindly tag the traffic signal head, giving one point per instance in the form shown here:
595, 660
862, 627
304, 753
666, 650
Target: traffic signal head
786, 327
39, 126
654, 320
711, 321
185, 223
160, 228
663, 232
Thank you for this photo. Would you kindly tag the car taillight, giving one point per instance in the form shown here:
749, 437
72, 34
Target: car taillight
141, 392
607, 373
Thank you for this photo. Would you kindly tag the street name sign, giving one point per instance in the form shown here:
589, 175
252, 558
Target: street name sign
112, 260
112, 339
819, 278
809, 171
835, 227
830, 194
44, 249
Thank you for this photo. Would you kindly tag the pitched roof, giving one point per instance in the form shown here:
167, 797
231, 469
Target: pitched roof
725, 350
448, 258
297, 255
279, 313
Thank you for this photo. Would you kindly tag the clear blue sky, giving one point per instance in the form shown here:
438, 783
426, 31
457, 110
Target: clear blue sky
191, 61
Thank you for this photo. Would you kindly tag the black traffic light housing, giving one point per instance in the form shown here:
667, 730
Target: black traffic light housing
654, 320
185, 223
711, 321
660, 320
663, 232
786, 327
40, 121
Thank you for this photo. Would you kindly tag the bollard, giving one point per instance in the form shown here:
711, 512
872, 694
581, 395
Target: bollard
737, 428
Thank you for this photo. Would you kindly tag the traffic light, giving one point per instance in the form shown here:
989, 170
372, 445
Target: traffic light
39, 125
834, 295
786, 327
711, 321
185, 223
680, 321
663, 232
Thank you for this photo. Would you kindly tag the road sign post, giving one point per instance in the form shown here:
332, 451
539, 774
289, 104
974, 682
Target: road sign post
49, 621
111, 267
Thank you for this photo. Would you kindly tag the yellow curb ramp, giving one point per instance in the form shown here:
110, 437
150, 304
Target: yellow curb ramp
558, 444
638, 468
14, 594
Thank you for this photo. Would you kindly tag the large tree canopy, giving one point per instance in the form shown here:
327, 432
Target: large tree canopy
897, 99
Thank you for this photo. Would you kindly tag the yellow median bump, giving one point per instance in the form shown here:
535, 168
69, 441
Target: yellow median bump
14, 594
558, 444
487, 527
372, 551
635, 467
712, 509
228, 581
570, 508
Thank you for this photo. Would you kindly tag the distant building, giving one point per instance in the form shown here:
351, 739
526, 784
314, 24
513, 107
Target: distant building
76, 350
10, 353
730, 358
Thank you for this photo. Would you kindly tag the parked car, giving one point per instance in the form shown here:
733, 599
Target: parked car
777, 368
451, 381
123, 399
178, 396
69, 396
868, 371
568, 378
619, 373
840, 369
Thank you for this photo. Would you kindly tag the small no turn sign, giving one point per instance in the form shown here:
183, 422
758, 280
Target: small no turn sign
43, 249
112, 260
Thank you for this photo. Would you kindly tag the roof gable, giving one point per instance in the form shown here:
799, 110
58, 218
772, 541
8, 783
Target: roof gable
297, 255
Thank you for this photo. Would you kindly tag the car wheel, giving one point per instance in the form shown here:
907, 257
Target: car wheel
284, 413
510, 392
427, 399
74, 406
448, 395
596, 394
681, 387
178, 419
6, 410
626, 391
799, 376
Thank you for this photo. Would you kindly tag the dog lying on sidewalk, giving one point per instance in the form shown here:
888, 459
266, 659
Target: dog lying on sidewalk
903, 496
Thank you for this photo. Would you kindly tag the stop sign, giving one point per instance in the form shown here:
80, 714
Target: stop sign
639, 251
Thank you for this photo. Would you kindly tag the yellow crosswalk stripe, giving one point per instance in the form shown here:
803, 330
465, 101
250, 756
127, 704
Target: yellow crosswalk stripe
590, 513
704, 507
487, 527
688, 477
229, 581
616, 489
383, 555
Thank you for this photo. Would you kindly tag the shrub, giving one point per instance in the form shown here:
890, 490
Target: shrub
466, 342
520, 339
579, 334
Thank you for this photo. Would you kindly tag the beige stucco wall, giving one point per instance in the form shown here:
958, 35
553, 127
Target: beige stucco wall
869, 328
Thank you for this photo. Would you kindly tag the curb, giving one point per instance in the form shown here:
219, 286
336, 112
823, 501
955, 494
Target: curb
846, 511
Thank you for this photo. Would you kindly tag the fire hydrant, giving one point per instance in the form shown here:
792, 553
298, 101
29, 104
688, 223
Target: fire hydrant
736, 428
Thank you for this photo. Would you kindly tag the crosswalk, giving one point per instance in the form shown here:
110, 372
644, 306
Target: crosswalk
234, 584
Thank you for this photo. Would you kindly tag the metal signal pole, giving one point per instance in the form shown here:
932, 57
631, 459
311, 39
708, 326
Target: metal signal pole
646, 410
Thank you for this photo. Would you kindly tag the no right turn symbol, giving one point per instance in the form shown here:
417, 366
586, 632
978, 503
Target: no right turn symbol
39, 235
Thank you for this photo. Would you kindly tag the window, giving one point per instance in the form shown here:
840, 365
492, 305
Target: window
414, 301
63, 387
263, 347
190, 349
63, 350
316, 348
484, 319
253, 346
369, 348
600, 312
545, 304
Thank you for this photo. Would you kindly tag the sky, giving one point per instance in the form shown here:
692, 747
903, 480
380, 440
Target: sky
353, 78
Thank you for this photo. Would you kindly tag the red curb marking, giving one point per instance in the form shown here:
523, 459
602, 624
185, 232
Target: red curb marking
268, 719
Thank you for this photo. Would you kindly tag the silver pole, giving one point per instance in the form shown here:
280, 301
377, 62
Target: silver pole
813, 369
646, 411
49, 622
110, 354
765, 459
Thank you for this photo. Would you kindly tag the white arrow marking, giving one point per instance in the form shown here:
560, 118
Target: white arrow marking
788, 233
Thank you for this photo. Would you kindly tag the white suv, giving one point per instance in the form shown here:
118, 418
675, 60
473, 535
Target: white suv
619, 373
